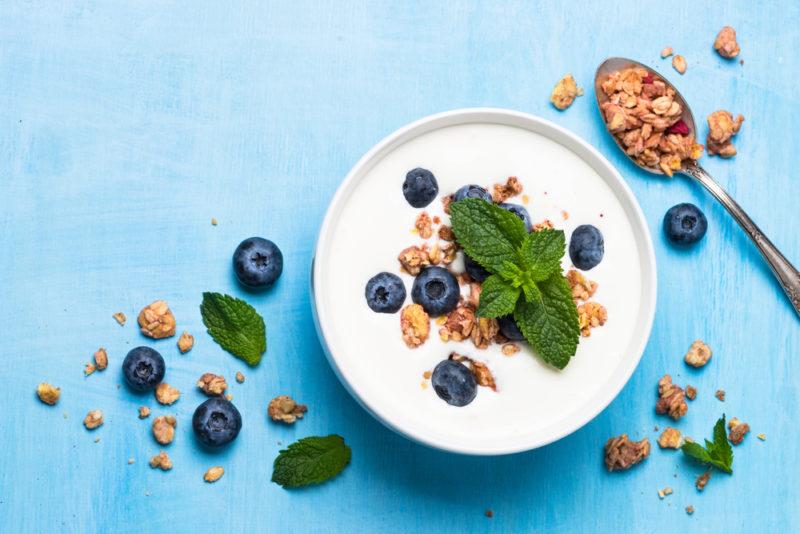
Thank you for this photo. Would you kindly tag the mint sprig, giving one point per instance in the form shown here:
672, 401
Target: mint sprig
718, 453
526, 279
235, 325
310, 460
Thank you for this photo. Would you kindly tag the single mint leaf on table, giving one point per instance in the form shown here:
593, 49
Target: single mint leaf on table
235, 325
310, 460
551, 324
489, 235
541, 253
498, 297
718, 453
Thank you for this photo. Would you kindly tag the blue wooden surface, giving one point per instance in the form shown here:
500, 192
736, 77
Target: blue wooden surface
126, 127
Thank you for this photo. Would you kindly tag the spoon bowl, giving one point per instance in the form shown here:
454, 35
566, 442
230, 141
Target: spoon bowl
786, 274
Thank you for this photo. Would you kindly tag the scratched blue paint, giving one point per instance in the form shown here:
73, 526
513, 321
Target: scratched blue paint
127, 126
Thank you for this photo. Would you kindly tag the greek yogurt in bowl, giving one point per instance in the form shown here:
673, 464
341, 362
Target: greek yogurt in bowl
369, 222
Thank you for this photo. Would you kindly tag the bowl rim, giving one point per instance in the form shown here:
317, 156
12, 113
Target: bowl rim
592, 157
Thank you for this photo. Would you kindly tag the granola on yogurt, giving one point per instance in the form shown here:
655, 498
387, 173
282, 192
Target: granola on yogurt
644, 116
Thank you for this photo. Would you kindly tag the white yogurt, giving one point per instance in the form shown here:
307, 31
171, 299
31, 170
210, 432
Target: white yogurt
375, 225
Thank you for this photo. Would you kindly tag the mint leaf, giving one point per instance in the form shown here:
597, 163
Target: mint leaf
488, 234
310, 460
541, 253
235, 325
498, 297
718, 453
551, 324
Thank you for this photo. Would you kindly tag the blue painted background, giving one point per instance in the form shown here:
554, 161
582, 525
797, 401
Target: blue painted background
127, 126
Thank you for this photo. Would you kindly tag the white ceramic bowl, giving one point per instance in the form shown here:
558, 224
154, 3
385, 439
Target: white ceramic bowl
368, 222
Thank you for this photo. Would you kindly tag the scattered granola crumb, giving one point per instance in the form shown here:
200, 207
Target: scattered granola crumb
679, 63
415, 325
502, 192
664, 492
213, 221
484, 332
738, 430
525, 199
564, 214
161, 461
621, 453
211, 384
185, 342
283, 408
156, 320
666, 52
413, 259
448, 252
144, 412
446, 201
672, 399
229, 396
424, 225
101, 359
93, 419
423, 384
690, 509
591, 315
446, 233
691, 392
483, 375
721, 129
458, 324
48, 393
510, 349
120, 318
698, 354
166, 394
762, 437
564, 93
582, 289
239, 377
489, 513
131, 461
164, 429
670, 438
436, 219
89, 369
702, 480
720, 395
213, 474
546, 224
725, 44
427, 375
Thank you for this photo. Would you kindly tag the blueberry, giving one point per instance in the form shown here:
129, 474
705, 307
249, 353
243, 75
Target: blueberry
436, 290
509, 328
420, 187
385, 293
258, 262
520, 212
475, 270
216, 422
586, 247
685, 224
143, 368
454, 383
472, 191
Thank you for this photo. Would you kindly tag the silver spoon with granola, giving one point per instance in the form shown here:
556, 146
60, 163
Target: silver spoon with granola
651, 122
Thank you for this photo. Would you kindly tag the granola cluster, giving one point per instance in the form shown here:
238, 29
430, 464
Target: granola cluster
622, 453
698, 354
166, 394
483, 376
48, 393
415, 325
565, 92
738, 430
671, 399
590, 313
93, 419
284, 409
213, 474
721, 129
725, 44
161, 461
156, 320
644, 116
164, 429
424, 225
502, 192
212, 385
670, 439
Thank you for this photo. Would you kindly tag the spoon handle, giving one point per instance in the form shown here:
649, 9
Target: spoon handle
784, 271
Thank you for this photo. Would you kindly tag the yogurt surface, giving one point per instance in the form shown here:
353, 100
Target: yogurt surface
375, 224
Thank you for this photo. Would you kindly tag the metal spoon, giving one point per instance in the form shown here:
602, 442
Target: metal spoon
786, 274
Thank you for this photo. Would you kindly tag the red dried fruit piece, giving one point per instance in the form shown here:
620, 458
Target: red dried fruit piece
648, 78
679, 127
